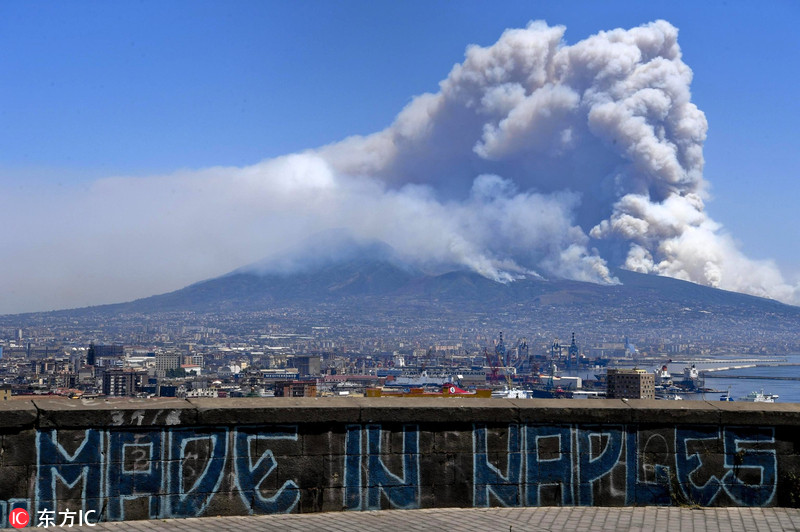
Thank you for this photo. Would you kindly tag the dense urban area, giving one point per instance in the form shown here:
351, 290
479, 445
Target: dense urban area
336, 351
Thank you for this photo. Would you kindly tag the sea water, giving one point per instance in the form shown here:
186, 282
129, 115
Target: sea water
775, 381
788, 391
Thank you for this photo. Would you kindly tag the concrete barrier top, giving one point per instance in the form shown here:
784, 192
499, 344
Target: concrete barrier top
50, 412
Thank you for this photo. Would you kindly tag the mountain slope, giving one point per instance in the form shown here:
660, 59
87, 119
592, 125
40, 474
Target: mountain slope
243, 290
373, 280
364, 290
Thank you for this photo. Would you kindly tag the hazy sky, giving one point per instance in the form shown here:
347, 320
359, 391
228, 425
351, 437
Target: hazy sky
95, 91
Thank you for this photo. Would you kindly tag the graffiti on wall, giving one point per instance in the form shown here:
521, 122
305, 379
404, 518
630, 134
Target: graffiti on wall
178, 472
366, 476
575, 464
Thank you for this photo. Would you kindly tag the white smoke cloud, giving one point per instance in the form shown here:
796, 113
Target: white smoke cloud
104, 243
609, 120
534, 157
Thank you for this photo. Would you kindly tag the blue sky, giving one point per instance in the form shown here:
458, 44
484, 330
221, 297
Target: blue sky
98, 89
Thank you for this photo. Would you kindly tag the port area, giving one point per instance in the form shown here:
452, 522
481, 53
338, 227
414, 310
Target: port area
725, 371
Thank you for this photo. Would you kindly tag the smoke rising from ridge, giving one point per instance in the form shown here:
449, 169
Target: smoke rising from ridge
534, 158
608, 123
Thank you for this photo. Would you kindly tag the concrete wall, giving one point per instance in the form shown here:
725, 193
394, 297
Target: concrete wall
140, 459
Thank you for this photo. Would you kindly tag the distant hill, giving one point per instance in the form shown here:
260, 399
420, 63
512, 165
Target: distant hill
377, 279
369, 286
242, 290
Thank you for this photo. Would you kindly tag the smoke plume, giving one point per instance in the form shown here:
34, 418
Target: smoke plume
603, 131
533, 158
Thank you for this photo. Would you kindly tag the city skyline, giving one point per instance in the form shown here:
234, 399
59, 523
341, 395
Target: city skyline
137, 104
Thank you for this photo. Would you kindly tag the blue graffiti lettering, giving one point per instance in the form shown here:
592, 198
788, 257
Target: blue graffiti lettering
639, 491
687, 464
548, 471
739, 457
402, 492
55, 465
487, 478
592, 468
11, 504
176, 472
249, 476
352, 467
134, 470
191, 502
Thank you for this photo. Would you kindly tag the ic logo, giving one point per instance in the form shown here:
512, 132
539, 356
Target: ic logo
19, 518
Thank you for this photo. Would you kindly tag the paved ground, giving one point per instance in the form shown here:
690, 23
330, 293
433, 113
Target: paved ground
666, 519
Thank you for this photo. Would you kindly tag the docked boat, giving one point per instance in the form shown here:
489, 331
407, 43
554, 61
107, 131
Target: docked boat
663, 376
447, 390
726, 397
670, 397
759, 397
588, 394
511, 393
421, 379
692, 378
550, 392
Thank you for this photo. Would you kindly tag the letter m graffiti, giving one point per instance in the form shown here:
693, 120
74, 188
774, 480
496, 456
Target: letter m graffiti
79, 470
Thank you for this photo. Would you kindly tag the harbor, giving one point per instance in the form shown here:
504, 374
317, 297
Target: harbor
739, 377
563, 371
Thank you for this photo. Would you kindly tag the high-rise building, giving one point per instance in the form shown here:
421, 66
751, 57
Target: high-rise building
307, 365
120, 382
97, 352
165, 362
630, 384
109, 351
